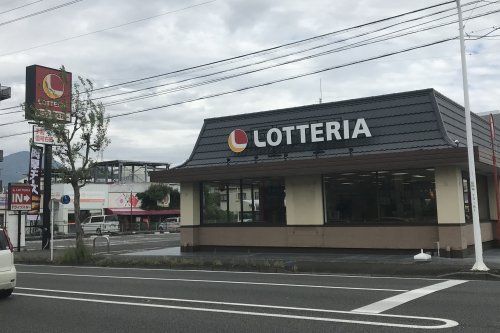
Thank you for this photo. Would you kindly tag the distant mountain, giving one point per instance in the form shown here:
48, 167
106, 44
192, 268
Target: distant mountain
14, 167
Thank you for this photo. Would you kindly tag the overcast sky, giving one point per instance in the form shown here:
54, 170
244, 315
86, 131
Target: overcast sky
226, 28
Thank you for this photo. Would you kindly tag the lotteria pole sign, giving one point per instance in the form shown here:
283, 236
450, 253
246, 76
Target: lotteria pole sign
299, 134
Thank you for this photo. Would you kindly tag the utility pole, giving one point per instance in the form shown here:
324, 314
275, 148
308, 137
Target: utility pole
478, 245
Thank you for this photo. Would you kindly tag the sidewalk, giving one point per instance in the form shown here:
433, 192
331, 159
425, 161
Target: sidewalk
343, 263
331, 262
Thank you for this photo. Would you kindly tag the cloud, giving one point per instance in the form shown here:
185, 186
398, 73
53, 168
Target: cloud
223, 29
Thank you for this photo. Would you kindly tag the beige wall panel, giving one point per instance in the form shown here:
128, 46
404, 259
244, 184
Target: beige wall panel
454, 237
304, 200
305, 236
382, 237
190, 204
243, 236
189, 237
329, 237
449, 195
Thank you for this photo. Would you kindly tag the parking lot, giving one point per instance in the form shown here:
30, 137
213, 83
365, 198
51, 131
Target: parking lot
118, 243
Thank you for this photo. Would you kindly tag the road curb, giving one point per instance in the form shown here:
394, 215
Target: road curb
232, 263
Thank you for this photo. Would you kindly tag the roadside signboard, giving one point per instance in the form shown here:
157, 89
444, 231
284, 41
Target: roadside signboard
34, 177
48, 90
44, 137
19, 197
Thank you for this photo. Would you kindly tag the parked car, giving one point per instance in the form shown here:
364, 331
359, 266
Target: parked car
8, 273
171, 224
100, 224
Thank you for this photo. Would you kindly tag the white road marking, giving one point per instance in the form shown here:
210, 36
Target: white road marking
212, 281
391, 302
446, 323
235, 272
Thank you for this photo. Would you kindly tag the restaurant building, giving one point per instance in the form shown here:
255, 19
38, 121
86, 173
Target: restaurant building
383, 172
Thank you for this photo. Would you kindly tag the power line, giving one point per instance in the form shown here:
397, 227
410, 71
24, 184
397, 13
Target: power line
295, 52
19, 7
353, 45
15, 134
40, 12
276, 47
335, 50
105, 29
246, 56
267, 83
9, 108
299, 42
285, 79
12, 122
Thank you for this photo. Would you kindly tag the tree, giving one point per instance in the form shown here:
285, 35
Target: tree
157, 193
80, 139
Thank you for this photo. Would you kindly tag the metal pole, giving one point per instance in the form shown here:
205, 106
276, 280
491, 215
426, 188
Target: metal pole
130, 200
19, 231
51, 230
478, 245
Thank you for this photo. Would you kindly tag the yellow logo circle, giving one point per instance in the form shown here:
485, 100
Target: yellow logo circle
53, 86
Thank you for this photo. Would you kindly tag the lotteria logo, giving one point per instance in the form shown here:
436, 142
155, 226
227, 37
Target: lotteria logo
53, 86
316, 132
237, 140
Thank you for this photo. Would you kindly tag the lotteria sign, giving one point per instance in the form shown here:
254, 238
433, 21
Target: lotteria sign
48, 92
300, 134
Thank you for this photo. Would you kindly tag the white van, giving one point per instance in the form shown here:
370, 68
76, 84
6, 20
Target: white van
8, 273
100, 224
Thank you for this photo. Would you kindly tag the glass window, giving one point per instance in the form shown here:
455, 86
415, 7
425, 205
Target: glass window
406, 196
99, 218
233, 202
482, 197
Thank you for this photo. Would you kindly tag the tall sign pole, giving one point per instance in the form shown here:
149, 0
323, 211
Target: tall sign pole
48, 99
47, 195
478, 245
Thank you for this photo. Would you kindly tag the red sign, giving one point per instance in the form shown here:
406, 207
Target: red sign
19, 197
48, 90
237, 140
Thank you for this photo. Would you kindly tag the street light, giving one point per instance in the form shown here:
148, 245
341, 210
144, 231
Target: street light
478, 245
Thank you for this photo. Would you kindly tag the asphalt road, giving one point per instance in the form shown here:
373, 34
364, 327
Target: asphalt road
118, 243
86, 299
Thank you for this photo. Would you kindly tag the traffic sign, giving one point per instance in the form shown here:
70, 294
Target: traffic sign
19, 197
65, 199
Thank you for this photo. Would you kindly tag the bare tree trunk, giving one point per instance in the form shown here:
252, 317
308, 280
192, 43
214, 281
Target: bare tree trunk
76, 204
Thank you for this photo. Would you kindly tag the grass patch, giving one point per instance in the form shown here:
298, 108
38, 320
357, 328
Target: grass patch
76, 255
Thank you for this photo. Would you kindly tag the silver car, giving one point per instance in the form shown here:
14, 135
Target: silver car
100, 224
171, 224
